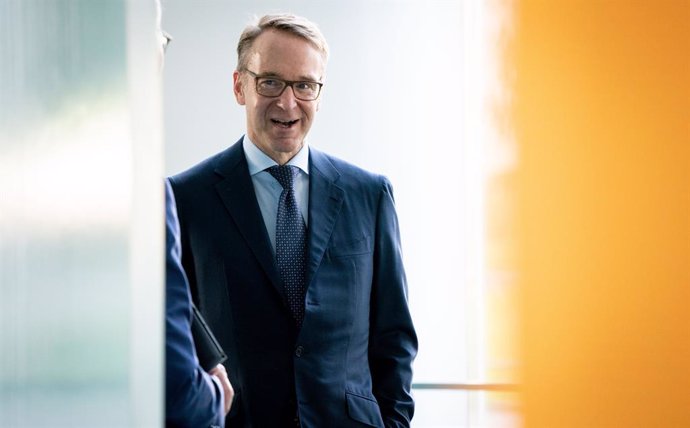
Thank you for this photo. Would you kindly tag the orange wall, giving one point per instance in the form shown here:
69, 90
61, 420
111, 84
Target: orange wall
601, 116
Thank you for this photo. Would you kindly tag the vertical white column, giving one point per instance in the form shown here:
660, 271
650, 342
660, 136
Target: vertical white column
146, 238
81, 270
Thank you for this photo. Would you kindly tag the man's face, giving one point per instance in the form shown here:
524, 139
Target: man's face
278, 126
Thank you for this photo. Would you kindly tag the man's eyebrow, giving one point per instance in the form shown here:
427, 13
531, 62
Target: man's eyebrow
302, 78
270, 74
309, 79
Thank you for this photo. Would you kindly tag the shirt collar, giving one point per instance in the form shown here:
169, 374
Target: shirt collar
259, 161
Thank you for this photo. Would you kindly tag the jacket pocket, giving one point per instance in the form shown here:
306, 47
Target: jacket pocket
364, 410
354, 247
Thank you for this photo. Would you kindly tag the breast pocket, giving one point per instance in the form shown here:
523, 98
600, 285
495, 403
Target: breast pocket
353, 247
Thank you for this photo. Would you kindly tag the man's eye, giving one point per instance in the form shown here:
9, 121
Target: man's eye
270, 83
306, 86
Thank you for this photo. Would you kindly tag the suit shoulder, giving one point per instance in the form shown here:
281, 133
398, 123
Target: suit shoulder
205, 171
355, 175
203, 168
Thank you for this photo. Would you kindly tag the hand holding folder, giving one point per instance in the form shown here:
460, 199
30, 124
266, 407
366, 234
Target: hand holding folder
208, 350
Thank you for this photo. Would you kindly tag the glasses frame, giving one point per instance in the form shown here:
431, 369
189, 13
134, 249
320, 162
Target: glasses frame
286, 82
167, 38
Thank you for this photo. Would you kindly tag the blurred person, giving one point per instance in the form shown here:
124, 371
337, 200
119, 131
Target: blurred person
193, 398
294, 256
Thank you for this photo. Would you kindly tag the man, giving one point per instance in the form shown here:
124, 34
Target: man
294, 256
193, 398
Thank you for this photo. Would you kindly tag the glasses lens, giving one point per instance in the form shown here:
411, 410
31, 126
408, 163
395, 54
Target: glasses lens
269, 87
306, 90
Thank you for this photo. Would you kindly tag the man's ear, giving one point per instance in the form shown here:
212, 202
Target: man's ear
238, 87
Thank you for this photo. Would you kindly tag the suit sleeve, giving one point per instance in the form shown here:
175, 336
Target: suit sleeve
393, 341
192, 397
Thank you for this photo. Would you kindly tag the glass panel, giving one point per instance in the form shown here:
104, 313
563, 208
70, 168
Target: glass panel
71, 203
453, 409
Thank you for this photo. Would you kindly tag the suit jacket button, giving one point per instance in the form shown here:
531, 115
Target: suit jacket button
299, 350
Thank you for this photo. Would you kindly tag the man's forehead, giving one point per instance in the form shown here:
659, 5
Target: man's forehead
285, 55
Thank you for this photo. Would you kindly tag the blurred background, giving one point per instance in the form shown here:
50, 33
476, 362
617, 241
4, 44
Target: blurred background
539, 151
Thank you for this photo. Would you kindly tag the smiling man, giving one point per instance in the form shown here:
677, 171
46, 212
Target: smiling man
294, 256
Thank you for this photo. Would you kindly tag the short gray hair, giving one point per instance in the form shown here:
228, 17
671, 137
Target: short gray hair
292, 24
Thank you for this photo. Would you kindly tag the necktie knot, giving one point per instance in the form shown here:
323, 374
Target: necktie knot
285, 174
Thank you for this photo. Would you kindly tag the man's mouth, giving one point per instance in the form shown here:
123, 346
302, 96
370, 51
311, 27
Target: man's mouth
284, 123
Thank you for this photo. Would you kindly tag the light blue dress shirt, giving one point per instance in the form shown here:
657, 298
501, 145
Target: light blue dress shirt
267, 188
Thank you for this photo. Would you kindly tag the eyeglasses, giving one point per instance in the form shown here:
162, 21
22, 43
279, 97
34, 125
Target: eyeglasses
272, 87
167, 38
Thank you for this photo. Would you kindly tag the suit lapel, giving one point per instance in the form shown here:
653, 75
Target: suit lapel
236, 190
325, 200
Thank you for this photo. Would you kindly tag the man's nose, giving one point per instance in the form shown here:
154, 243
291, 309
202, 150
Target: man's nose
287, 99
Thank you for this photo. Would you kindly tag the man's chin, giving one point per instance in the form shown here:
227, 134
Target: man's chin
286, 146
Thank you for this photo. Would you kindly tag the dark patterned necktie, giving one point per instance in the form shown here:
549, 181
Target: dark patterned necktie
291, 240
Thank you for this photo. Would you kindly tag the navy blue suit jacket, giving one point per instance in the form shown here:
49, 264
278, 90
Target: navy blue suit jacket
192, 397
350, 363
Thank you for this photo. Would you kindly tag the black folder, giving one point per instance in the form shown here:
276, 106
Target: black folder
208, 350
